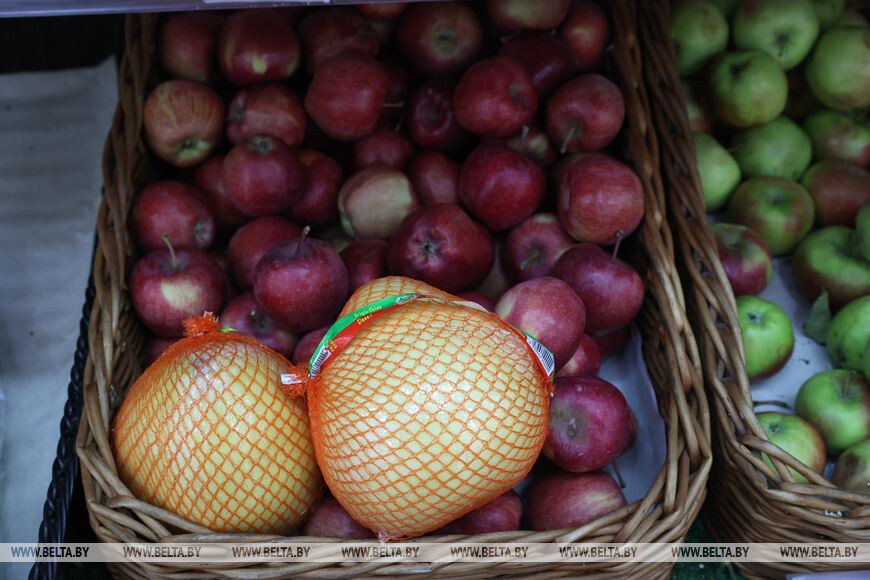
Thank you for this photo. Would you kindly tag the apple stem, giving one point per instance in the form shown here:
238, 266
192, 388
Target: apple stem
172, 255
619, 236
618, 475
305, 232
567, 140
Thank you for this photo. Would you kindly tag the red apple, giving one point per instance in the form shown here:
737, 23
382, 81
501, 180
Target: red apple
479, 299
168, 287
499, 186
365, 260
183, 121
269, 109
600, 200
301, 283
188, 45
209, 181
435, 178
318, 205
330, 520
559, 499
590, 424
439, 37
611, 343
230, 290
586, 360
155, 346
373, 202
532, 248
495, 97
549, 310
254, 239
585, 114
398, 87
246, 316
383, 147
257, 46
175, 210
534, 143
382, 11
441, 246
839, 190
333, 31
431, 118
346, 95
609, 288
586, 31
500, 515
263, 176
510, 15
308, 344
546, 58
496, 282
745, 258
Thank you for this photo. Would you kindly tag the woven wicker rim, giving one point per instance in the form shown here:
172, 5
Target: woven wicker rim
115, 340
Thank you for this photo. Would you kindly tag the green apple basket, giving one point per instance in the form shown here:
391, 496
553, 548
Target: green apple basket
748, 501
116, 357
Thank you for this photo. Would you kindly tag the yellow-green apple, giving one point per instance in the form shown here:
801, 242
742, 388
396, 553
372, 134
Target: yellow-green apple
600, 200
837, 71
784, 29
431, 119
384, 146
829, 12
610, 289
256, 46
435, 178
586, 31
547, 309
700, 119
718, 170
852, 470
333, 31
263, 176
547, 59
329, 519
611, 342
586, 360
777, 209
442, 246
318, 205
699, 31
532, 248
849, 333
188, 45
767, 334
776, 149
862, 232
838, 136
439, 38
560, 499
590, 424
747, 88
346, 95
511, 15
175, 210
382, 10
585, 114
502, 514
373, 202
365, 260
183, 121
839, 189
837, 404
827, 261
308, 343
209, 181
167, 287
745, 258
251, 241
534, 143
499, 186
269, 109
797, 438
478, 299
301, 283
495, 97
244, 315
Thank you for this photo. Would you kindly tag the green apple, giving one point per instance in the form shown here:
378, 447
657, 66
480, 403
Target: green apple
797, 438
838, 71
826, 261
829, 12
865, 362
747, 88
768, 338
862, 232
777, 209
718, 170
852, 18
784, 29
699, 31
778, 149
699, 116
849, 333
852, 470
837, 404
838, 136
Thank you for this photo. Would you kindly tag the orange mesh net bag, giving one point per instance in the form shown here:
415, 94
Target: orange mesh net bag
423, 407
208, 433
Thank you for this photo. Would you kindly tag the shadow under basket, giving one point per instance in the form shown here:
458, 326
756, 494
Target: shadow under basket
115, 340
748, 501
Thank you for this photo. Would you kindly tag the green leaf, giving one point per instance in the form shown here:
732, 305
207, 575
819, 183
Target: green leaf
816, 326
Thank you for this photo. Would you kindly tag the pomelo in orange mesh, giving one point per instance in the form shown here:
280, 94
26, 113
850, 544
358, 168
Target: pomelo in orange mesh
207, 433
432, 410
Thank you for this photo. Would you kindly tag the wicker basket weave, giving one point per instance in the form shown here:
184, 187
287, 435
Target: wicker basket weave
115, 341
748, 501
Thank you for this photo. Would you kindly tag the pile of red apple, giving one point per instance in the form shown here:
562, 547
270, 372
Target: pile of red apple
309, 151
785, 86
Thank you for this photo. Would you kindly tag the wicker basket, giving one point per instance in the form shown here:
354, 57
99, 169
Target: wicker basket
115, 340
748, 501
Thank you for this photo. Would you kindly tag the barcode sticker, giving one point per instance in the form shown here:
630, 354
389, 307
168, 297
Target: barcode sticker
545, 357
318, 362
